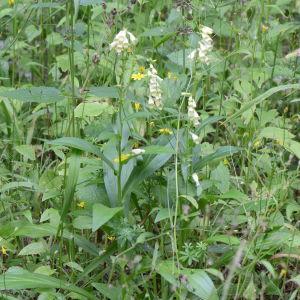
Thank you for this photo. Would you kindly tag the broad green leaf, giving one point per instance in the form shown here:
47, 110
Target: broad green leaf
197, 281
217, 155
74, 265
102, 214
276, 133
155, 149
222, 238
191, 199
147, 168
104, 92
82, 145
221, 177
34, 94
16, 185
33, 249
112, 293
45, 270
93, 109
27, 151
20, 279
82, 222
163, 213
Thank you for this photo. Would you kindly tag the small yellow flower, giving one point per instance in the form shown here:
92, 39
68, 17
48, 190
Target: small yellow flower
135, 144
264, 28
124, 157
172, 76
137, 106
4, 250
225, 162
142, 69
11, 2
283, 273
137, 76
152, 124
81, 204
166, 131
279, 142
257, 144
111, 237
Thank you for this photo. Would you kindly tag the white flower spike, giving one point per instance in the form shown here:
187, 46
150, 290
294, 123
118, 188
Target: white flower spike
155, 93
192, 114
122, 41
204, 46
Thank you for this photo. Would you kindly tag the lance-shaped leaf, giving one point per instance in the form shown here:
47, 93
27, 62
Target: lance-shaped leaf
82, 145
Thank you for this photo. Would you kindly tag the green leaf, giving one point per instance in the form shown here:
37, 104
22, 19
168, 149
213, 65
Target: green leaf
221, 177
70, 187
74, 265
147, 168
276, 133
33, 249
112, 293
82, 222
102, 214
34, 94
82, 145
104, 92
20, 279
191, 199
163, 213
197, 281
27, 151
217, 155
261, 98
93, 109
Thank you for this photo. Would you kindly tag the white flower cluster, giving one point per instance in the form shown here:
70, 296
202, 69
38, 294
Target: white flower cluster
122, 41
154, 88
204, 46
137, 151
192, 114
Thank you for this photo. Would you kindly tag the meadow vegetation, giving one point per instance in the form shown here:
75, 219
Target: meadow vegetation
149, 149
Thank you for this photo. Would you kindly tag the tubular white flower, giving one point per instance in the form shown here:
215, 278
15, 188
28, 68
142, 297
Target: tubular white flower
137, 151
204, 46
195, 138
192, 114
122, 41
155, 93
196, 179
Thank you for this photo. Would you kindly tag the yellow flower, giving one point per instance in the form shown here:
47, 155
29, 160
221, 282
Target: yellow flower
165, 131
257, 144
11, 2
152, 124
280, 142
111, 237
171, 76
226, 162
264, 28
124, 157
137, 76
142, 69
4, 250
81, 204
137, 106
283, 273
